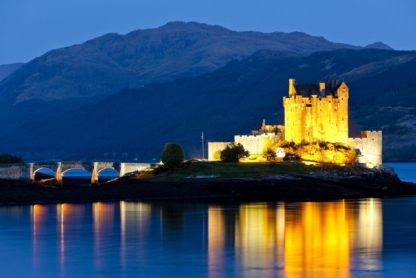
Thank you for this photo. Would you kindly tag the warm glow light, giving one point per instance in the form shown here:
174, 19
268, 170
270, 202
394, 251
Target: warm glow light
259, 236
370, 233
216, 240
317, 240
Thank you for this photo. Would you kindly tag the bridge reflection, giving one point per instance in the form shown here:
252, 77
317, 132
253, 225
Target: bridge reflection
309, 239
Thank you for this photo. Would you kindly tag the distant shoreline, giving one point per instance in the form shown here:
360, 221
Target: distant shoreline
303, 188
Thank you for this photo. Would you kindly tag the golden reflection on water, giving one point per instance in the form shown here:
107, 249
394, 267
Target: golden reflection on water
216, 242
369, 234
318, 240
306, 239
260, 227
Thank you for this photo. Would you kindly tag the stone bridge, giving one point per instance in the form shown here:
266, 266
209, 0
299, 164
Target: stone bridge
27, 171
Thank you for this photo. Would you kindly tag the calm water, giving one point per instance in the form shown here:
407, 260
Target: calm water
406, 171
356, 238
351, 238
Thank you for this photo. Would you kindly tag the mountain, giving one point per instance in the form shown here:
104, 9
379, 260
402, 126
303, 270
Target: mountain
106, 64
137, 122
5, 70
379, 45
71, 77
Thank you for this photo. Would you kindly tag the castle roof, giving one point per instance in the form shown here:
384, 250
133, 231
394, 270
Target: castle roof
307, 90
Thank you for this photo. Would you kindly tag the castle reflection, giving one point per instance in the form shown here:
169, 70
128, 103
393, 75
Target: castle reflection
306, 239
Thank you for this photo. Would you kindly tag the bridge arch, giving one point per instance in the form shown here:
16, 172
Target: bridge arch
46, 171
116, 174
81, 175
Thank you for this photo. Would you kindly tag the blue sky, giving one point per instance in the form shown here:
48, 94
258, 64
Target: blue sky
29, 28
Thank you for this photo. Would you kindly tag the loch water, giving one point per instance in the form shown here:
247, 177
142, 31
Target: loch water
341, 238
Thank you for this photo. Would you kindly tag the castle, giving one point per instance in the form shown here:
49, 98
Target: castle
313, 112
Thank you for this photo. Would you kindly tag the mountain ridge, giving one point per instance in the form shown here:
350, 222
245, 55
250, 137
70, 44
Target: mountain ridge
136, 122
106, 64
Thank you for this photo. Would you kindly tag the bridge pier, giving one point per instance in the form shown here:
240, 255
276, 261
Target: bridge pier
58, 172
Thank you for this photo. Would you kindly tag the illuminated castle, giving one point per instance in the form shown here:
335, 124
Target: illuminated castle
316, 112
313, 112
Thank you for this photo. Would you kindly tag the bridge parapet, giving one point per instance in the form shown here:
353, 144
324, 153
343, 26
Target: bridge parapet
19, 171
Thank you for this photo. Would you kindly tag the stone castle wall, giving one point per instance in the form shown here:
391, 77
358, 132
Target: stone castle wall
369, 145
214, 147
317, 118
254, 143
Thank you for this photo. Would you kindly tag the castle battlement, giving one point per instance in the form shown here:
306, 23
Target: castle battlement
369, 146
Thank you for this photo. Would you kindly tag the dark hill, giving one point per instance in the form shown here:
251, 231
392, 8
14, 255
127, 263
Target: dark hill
231, 100
379, 45
5, 70
71, 77
106, 64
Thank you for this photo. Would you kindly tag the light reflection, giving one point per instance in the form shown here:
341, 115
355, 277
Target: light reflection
39, 215
318, 240
216, 240
308, 239
369, 234
103, 217
134, 220
67, 214
258, 238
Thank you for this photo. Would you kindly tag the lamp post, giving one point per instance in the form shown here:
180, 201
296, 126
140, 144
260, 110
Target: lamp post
202, 140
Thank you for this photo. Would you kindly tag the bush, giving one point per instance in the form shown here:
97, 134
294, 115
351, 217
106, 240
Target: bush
217, 155
233, 153
320, 151
270, 155
6, 158
172, 155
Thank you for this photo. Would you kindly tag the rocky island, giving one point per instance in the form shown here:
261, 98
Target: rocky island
216, 181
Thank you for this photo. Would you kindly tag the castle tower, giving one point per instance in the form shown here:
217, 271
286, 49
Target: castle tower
316, 112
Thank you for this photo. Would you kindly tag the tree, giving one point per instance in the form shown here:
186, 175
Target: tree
233, 153
172, 155
6, 158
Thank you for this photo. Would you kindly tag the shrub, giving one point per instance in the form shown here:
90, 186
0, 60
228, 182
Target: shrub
172, 155
6, 158
217, 155
233, 153
270, 155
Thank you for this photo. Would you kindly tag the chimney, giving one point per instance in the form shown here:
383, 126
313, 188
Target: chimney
292, 90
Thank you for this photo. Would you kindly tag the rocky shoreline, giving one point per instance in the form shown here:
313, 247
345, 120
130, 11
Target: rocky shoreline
270, 188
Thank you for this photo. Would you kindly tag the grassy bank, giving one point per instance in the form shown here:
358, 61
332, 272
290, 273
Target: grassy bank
225, 171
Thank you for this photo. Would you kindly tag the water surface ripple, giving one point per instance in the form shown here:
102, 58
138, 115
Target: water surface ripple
354, 238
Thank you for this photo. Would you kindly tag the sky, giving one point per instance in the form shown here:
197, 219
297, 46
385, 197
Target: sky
30, 28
